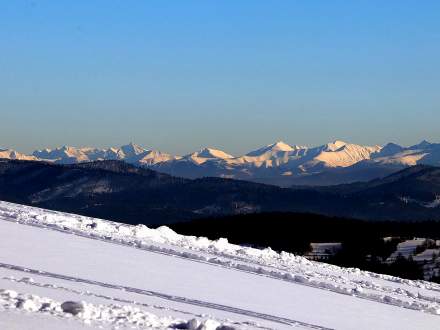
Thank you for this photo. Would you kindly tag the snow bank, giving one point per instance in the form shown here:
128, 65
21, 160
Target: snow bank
121, 315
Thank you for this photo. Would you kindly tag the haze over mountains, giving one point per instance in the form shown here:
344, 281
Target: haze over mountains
278, 163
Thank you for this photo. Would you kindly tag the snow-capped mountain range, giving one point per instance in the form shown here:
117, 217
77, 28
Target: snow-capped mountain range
278, 163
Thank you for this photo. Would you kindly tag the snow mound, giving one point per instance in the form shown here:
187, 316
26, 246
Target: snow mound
118, 315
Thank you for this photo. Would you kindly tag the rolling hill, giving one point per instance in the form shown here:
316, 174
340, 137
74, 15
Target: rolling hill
118, 190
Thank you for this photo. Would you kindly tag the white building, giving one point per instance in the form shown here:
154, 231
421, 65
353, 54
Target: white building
406, 249
323, 251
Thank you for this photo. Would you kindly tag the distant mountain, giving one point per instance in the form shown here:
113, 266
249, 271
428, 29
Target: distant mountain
206, 154
279, 163
118, 190
131, 153
12, 154
423, 153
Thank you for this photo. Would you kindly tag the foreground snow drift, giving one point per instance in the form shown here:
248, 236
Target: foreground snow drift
105, 314
133, 276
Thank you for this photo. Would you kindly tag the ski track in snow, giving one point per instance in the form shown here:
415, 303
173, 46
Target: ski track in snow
30, 281
421, 295
184, 300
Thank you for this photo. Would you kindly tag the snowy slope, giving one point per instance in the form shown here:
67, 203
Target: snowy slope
133, 276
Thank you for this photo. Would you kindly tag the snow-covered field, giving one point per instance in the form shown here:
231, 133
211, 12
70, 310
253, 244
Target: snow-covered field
121, 277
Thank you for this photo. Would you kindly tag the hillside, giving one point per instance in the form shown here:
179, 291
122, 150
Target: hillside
64, 271
117, 190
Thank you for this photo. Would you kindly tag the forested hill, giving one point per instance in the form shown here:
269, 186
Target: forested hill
119, 191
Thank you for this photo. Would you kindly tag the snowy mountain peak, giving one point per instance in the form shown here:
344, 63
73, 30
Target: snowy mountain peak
342, 154
65, 153
12, 154
132, 149
212, 153
153, 157
335, 145
339, 143
279, 146
205, 154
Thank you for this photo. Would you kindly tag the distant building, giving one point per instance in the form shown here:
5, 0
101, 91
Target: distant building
323, 251
427, 255
407, 249
429, 262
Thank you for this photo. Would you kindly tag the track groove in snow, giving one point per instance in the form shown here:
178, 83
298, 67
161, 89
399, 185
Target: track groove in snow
32, 282
184, 300
159, 308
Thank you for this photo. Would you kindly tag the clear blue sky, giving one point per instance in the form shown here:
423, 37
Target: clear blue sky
233, 74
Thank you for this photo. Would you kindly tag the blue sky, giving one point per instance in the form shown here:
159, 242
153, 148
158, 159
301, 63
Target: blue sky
179, 75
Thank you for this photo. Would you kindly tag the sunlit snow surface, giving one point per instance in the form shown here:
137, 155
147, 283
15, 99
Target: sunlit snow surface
135, 277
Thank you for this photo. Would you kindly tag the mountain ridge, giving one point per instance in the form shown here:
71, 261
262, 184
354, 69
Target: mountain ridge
118, 190
282, 164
